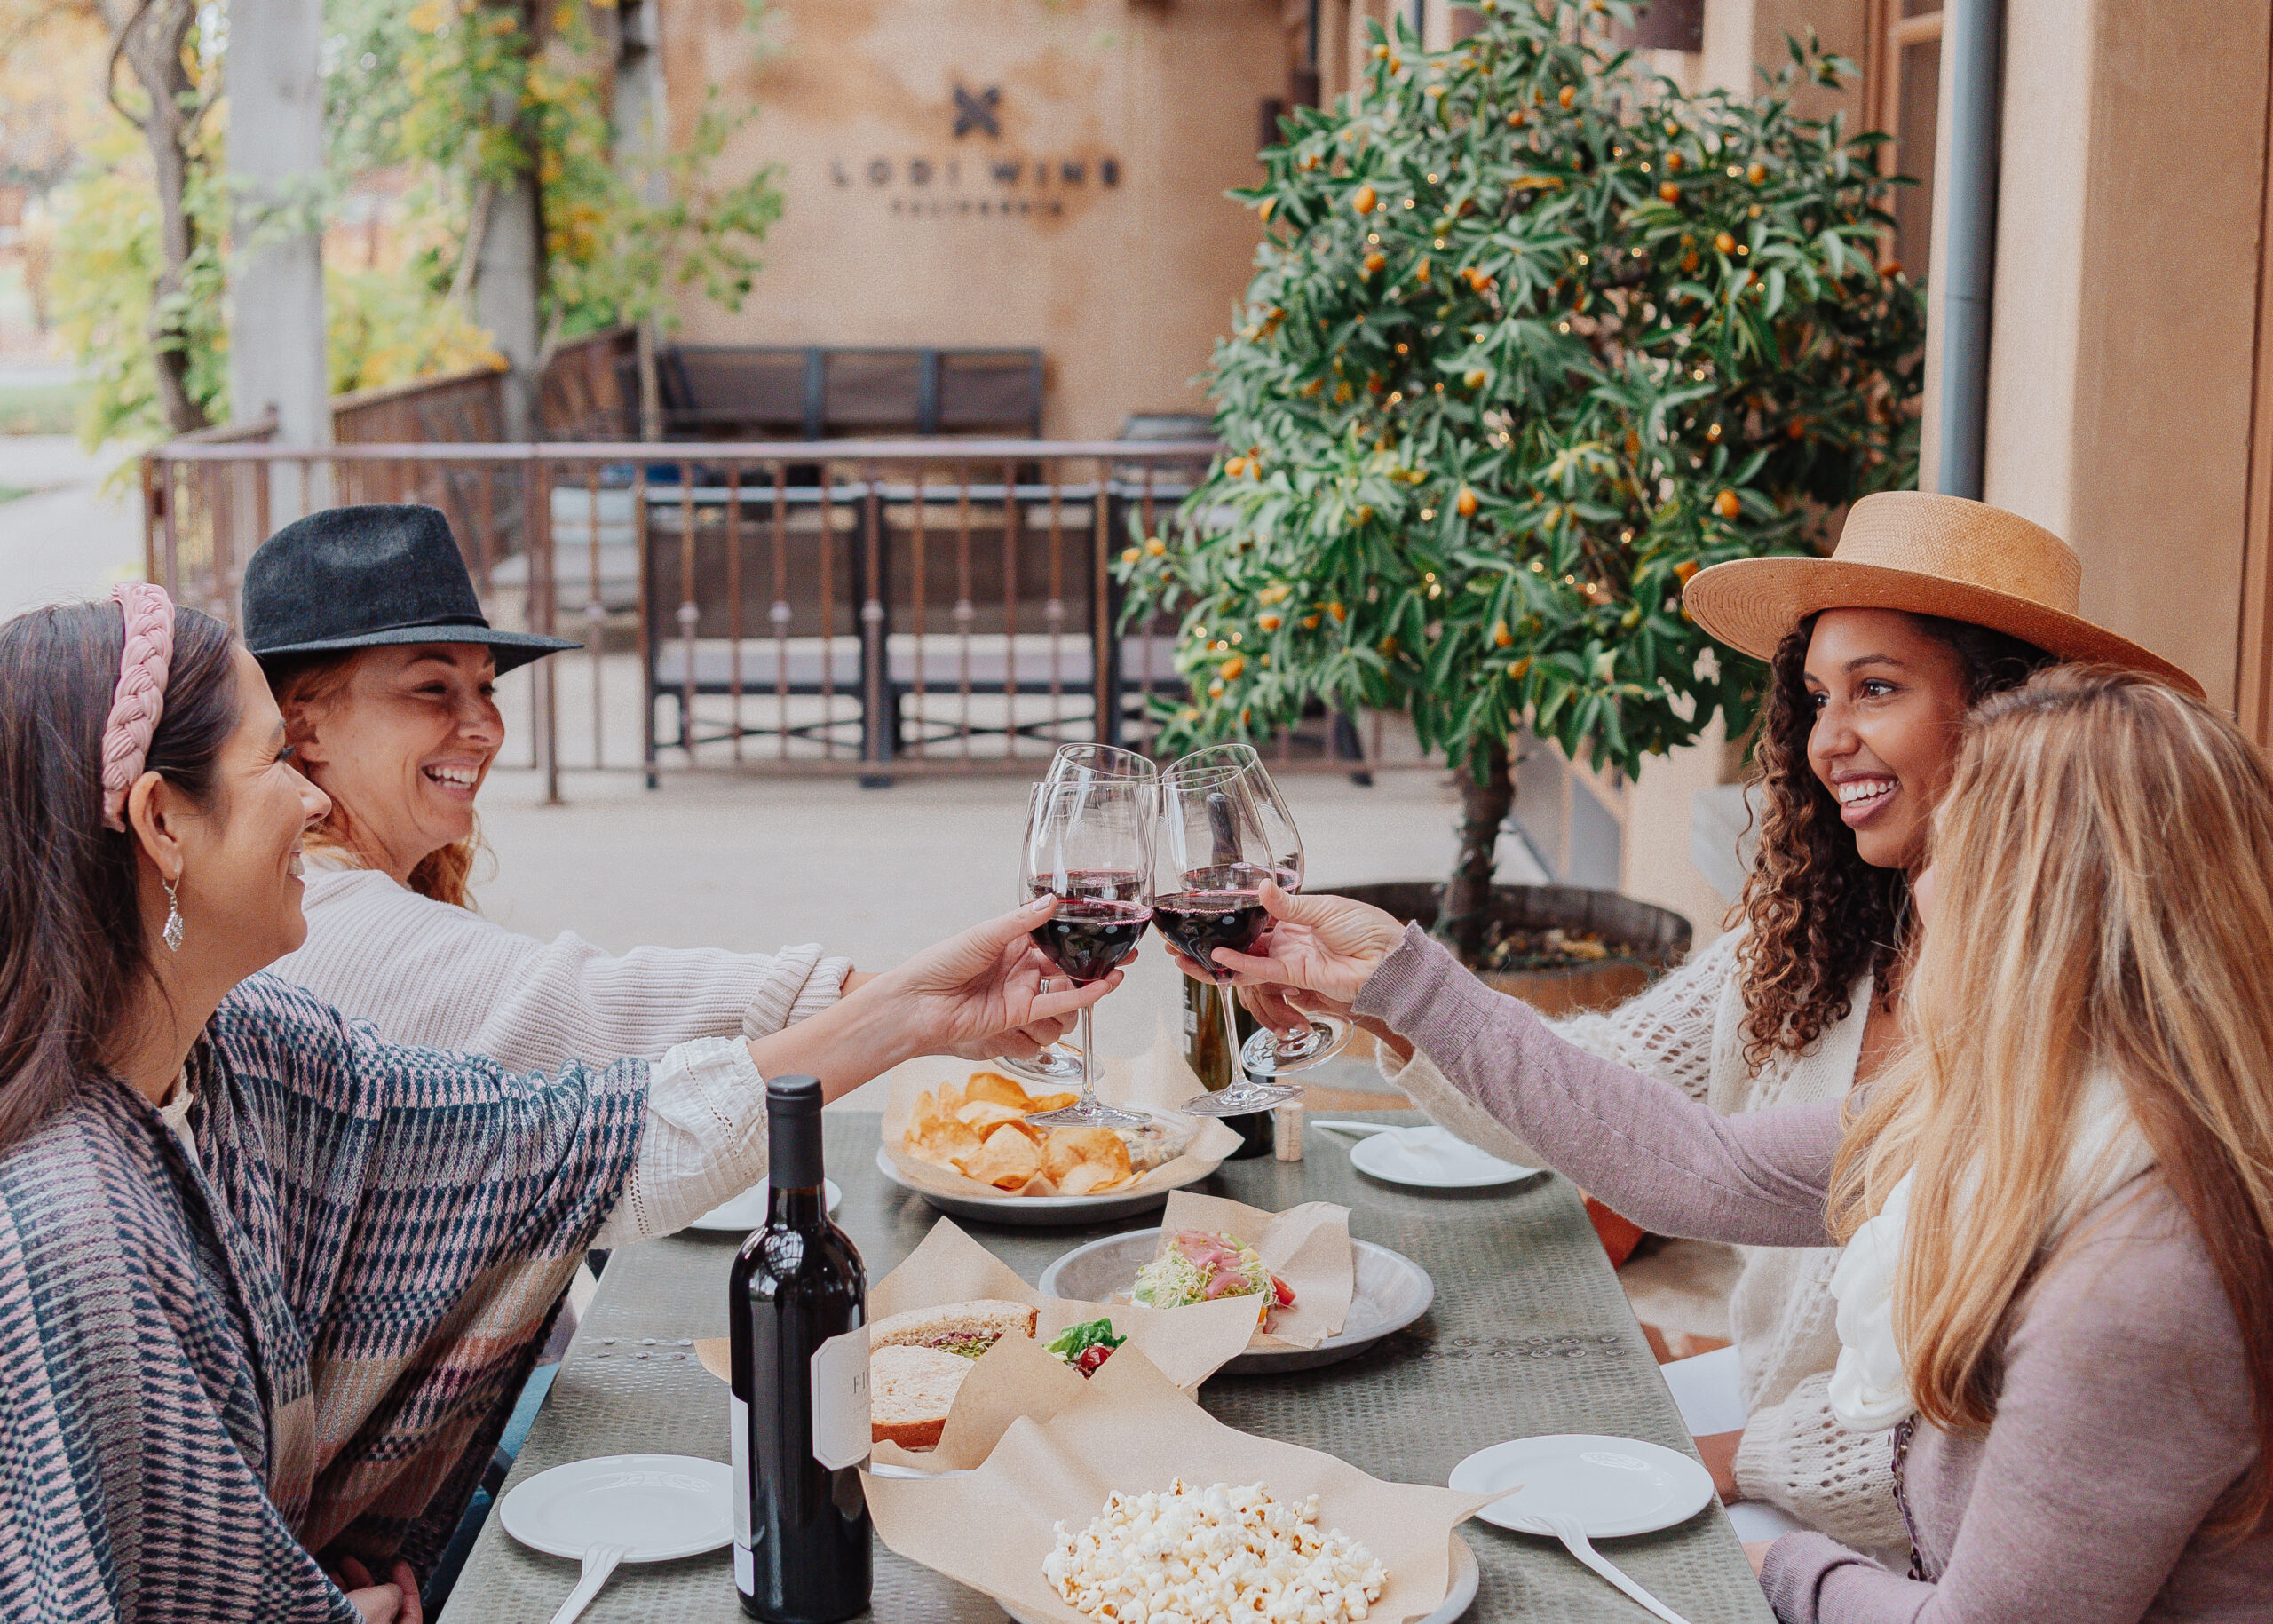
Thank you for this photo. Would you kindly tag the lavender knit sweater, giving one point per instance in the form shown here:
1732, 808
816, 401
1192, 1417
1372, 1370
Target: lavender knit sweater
2124, 1416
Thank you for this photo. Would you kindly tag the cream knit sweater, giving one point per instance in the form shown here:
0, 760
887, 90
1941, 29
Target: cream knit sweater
1687, 1029
440, 977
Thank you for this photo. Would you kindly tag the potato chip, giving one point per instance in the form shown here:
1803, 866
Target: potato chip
1086, 1178
935, 1138
986, 1114
1049, 1102
1008, 1160
1003, 1090
1083, 1161
950, 1099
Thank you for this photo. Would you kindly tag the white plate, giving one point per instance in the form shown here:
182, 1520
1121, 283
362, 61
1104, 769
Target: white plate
746, 1211
662, 1506
1614, 1485
1464, 1575
1389, 1292
1041, 1209
1431, 1158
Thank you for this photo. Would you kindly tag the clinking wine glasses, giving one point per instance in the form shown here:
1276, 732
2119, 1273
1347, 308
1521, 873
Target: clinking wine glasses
1224, 829
1089, 843
1059, 1065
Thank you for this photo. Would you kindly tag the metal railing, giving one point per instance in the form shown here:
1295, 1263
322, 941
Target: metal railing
868, 608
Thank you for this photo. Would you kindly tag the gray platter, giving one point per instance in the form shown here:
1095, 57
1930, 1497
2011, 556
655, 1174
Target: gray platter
1039, 1211
1390, 1292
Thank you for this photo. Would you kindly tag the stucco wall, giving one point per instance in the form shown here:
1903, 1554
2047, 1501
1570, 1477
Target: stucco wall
2122, 337
1092, 225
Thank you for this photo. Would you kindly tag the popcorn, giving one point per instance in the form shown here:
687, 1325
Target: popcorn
1220, 1555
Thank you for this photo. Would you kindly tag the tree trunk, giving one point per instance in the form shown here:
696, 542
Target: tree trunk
277, 342
1484, 804
150, 37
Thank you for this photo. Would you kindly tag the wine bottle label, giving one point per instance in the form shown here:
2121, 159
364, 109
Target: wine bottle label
840, 1389
1191, 1017
745, 1566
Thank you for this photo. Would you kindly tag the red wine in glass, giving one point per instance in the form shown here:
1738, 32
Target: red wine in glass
1088, 844
1088, 936
1199, 921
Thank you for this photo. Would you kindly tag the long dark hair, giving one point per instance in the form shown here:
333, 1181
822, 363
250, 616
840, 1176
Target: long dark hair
72, 949
1821, 915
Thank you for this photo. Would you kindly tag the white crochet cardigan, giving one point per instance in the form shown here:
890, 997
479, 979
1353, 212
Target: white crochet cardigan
426, 973
1687, 1029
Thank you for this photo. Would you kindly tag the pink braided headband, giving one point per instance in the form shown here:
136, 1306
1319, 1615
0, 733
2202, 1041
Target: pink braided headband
140, 698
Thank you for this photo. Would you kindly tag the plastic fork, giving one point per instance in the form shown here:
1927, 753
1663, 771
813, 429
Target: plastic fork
1568, 1529
600, 1562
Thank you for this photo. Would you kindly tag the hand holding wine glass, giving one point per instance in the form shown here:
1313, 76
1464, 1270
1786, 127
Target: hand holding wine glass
1030, 1053
1326, 944
1089, 846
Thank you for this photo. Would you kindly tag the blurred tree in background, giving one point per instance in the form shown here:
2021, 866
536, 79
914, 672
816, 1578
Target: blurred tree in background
1532, 337
432, 107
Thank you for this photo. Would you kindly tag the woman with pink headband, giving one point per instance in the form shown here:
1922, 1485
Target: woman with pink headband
266, 1278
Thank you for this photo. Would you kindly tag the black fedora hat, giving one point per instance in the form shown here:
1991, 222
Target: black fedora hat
363, 577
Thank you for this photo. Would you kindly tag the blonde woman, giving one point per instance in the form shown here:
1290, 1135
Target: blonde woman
2055, 1306
365, 622
1930, 604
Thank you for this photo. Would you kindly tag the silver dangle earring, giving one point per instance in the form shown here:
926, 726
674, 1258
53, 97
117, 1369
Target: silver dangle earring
172, 932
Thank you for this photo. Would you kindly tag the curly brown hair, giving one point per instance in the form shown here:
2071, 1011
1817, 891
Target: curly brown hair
1821, 917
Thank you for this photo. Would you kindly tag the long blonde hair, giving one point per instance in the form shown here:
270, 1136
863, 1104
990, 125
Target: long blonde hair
305, 687
2103, 901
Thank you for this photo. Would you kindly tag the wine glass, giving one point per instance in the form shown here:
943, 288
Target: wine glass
1212, 857
1269, 1053
1060, 1063
1089, 843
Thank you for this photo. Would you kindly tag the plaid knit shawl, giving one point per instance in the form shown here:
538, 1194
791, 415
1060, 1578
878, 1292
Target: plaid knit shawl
308, 1344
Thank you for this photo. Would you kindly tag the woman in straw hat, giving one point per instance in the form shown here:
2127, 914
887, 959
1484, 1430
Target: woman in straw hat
2054, 1309
1929, 605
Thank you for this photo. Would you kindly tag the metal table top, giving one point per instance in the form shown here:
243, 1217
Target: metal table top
1530, 1333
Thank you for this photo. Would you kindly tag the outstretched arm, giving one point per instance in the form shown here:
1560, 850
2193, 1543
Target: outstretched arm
1662, 1158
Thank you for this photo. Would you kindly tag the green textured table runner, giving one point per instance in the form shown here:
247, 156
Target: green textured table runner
1529, 1334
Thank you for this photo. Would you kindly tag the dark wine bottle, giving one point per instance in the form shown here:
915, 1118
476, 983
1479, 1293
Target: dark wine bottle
1204, 1052
797, 1310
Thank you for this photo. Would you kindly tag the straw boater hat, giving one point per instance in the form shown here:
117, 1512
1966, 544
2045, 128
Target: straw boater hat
1928, 555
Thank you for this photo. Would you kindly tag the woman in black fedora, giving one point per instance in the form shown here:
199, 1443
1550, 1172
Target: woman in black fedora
375, 645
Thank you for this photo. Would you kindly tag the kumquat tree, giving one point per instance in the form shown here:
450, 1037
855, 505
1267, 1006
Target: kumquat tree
1532, 337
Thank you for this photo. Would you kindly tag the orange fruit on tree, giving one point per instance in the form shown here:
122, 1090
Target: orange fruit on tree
1669, 192
1269, 623
1683, 570
1476, 377
1568, 94
1235, 466
1757, 173
1672, 164
1501, 635
1374, 263
1338, 613
1724, 243
1727, 505
1464, 504
1131, 554
1363, 203
1231, 668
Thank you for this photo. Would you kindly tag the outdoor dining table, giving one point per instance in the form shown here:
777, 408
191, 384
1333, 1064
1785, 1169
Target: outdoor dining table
1529, 1334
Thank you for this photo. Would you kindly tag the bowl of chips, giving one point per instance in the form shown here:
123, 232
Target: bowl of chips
968, 1147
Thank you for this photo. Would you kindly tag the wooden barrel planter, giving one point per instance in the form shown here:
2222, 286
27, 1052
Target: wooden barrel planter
1644, 941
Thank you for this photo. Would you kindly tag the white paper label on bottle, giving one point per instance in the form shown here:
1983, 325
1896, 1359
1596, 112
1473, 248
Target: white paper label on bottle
738, 1451
1191, 1017
840, 1388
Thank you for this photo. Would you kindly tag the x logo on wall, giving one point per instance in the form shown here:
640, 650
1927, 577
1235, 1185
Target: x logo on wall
977, 112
